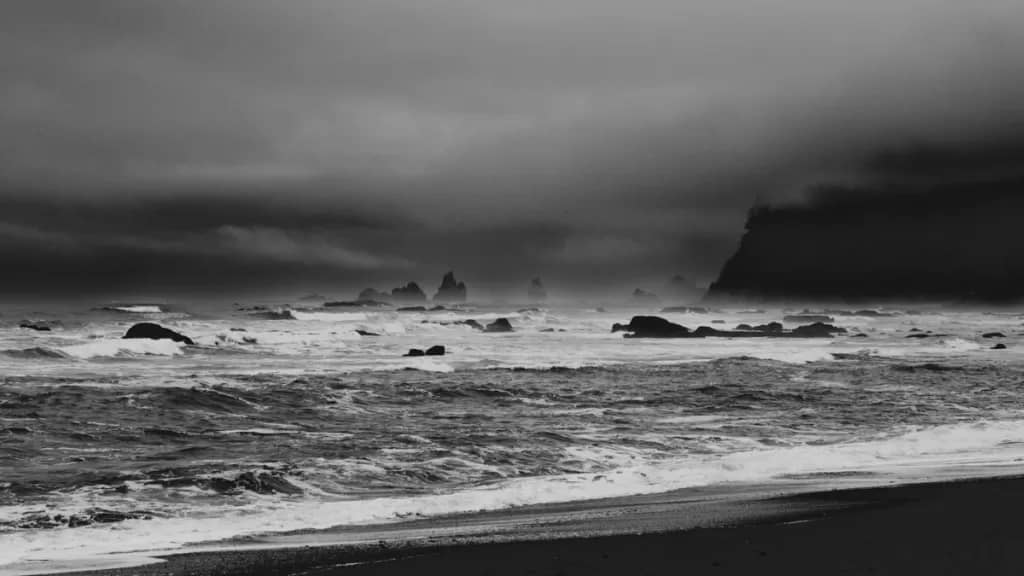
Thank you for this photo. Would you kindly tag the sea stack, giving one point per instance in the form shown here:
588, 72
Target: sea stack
411, 292
536, 292
450, 290
957, 243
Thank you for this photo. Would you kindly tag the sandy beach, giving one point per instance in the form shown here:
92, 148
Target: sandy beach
959, 527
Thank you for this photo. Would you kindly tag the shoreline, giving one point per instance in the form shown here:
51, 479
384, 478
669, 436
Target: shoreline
899, 529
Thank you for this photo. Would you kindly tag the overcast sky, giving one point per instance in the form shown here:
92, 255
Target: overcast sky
163, 145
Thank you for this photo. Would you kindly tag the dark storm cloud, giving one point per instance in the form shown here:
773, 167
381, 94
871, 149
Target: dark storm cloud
171, 143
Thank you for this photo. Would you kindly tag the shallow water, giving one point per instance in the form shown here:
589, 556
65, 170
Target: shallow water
277, 425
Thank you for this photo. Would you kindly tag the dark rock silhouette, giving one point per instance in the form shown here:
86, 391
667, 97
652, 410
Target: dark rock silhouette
499, 325
356, 304
37, 326
472, 324
155, 332
999, 346
993, 335
411, 309
536, 291
657, 327
651, 327
797, 318
773, 327
435, 351
645, 297
274, 315
415, 352
450, 290
366, 333
818, 329
411, 292
951, 240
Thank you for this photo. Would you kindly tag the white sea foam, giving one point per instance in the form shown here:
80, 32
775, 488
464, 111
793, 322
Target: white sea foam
961, 444
123, 347
139, 309
329, 316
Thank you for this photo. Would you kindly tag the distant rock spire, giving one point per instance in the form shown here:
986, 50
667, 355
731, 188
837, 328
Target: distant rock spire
411, 292
450, 290
536, 292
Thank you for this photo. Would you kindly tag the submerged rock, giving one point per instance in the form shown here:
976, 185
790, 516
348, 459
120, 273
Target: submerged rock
356, 304
411, 309
37, 326
999, 346
499, 325
993, 335
149, 330
366, 333
450, 290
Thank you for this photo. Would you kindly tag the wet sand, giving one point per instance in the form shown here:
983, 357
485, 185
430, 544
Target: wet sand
962, 527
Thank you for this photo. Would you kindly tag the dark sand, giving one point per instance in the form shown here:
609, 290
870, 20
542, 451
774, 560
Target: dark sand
966, 527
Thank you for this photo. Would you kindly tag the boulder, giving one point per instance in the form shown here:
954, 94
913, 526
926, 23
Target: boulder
450, 290
999, 346
415, 352
744, 327
155, 332
366, 333
817, 330
652, 327
817, 318
435, 351
536, 292
499, 325
411, 292
472, 324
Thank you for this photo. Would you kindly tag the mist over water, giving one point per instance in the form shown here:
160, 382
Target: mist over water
299, 422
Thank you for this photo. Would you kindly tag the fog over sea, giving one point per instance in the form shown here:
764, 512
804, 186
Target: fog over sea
288, 419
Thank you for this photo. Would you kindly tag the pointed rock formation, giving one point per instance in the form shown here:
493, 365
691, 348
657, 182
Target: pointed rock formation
450, 290
411, 292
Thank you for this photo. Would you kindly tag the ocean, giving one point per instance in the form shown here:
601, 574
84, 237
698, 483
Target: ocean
288, 419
